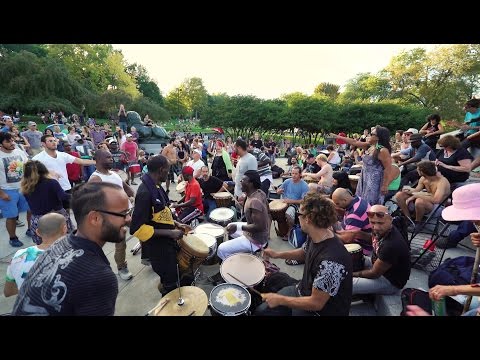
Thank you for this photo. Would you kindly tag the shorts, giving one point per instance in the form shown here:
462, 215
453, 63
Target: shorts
291, 211
17, 203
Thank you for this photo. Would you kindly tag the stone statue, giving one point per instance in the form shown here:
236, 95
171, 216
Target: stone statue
151, 134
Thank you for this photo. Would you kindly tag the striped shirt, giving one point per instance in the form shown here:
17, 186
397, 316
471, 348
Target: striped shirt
356, 218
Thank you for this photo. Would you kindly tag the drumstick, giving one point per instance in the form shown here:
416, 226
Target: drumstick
160, 306
473, 279
249, 287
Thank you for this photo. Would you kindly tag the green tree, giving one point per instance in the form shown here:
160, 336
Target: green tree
37, 49
194, 95
365, 86
328, 89
147, 86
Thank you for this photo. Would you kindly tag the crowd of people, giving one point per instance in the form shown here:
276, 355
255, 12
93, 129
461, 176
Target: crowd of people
91, 172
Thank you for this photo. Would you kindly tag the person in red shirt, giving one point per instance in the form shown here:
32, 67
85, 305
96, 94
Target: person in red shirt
191, 205
130, 147
74, 171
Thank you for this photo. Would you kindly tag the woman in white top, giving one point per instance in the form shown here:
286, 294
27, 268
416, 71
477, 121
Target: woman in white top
333, 157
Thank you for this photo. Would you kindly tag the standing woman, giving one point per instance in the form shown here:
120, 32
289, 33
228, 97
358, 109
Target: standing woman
377, 165
43, 194
221, 165
122, 118
431, 131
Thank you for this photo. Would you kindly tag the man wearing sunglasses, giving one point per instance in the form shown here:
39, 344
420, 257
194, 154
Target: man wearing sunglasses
388, 270
73, 276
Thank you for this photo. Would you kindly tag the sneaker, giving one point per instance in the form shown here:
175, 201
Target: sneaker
133, 183
125, 274
29, 232
15, 242
20, 223
146, 262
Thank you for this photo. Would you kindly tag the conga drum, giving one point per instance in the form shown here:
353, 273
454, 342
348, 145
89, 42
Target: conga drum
353, 182
356, 253
211, 242
215, 230
222, 216
181, 187
309, 180
278, 209
222, 199
245, 267
193, 251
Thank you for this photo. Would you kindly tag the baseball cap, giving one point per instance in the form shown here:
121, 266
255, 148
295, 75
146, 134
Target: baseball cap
128, 135
187, 170
412, 131
112, 140
30, 123
198, 152
77, 137
6, 117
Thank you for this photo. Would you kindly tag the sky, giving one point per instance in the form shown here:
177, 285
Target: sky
263, 70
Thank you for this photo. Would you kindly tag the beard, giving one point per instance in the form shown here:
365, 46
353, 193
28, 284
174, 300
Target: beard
111, 233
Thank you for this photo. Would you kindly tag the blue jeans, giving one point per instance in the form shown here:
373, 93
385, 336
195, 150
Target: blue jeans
211, 205
87, 171
123, 126
264, 310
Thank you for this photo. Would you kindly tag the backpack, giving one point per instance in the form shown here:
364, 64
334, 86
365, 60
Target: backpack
411, 296
457, 271
297, 237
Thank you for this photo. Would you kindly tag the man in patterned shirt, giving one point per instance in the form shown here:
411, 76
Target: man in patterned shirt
326, 286
50, 227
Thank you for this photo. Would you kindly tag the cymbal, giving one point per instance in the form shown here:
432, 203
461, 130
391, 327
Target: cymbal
195, 300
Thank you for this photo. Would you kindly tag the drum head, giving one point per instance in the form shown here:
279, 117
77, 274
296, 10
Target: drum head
246, 267
277, 205
354, 177
195, 244
181, 186
210, 229
209, 240
353, 248
230, 299
222, 214
222, 195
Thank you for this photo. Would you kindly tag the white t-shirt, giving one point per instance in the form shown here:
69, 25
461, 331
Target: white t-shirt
112, 178
58, 164
11, 169
21, 263
196, 165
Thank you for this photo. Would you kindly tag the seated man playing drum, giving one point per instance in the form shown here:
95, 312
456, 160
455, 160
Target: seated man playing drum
209, 185
355, 225
324, 176
255, 233
190, 206
326, 285
293, 191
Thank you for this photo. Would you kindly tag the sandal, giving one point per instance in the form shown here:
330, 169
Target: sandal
293, 262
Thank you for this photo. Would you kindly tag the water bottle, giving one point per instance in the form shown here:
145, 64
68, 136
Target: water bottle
439, 307
428, 244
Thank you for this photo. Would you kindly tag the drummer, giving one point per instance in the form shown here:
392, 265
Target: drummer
255, 233
119, 157
191, 205
293, 191
209, 185
153, 224
325, 176
310, 165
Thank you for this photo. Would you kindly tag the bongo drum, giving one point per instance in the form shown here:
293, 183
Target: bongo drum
222, 216
355, 169
246, 267
356, 253
222, 199
309, 180
215, 230
193, 251
229, 300
181, 187
354, 181
278, 209
211, 243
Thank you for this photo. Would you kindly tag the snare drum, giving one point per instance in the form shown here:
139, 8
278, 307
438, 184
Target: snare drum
229, 300
278, 209
246, 267
356, 253
193, 251
211, 242
181, 187
215, 230
354, 181
222, 216
222, 199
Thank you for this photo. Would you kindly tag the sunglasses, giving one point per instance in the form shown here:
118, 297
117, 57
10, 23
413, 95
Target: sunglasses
300, 214
379, 214
124, 215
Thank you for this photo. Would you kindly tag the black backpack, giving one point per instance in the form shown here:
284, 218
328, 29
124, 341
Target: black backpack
457, 271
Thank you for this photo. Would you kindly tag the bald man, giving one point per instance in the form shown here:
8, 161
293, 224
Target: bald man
51, 227
388, 270
355, 225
